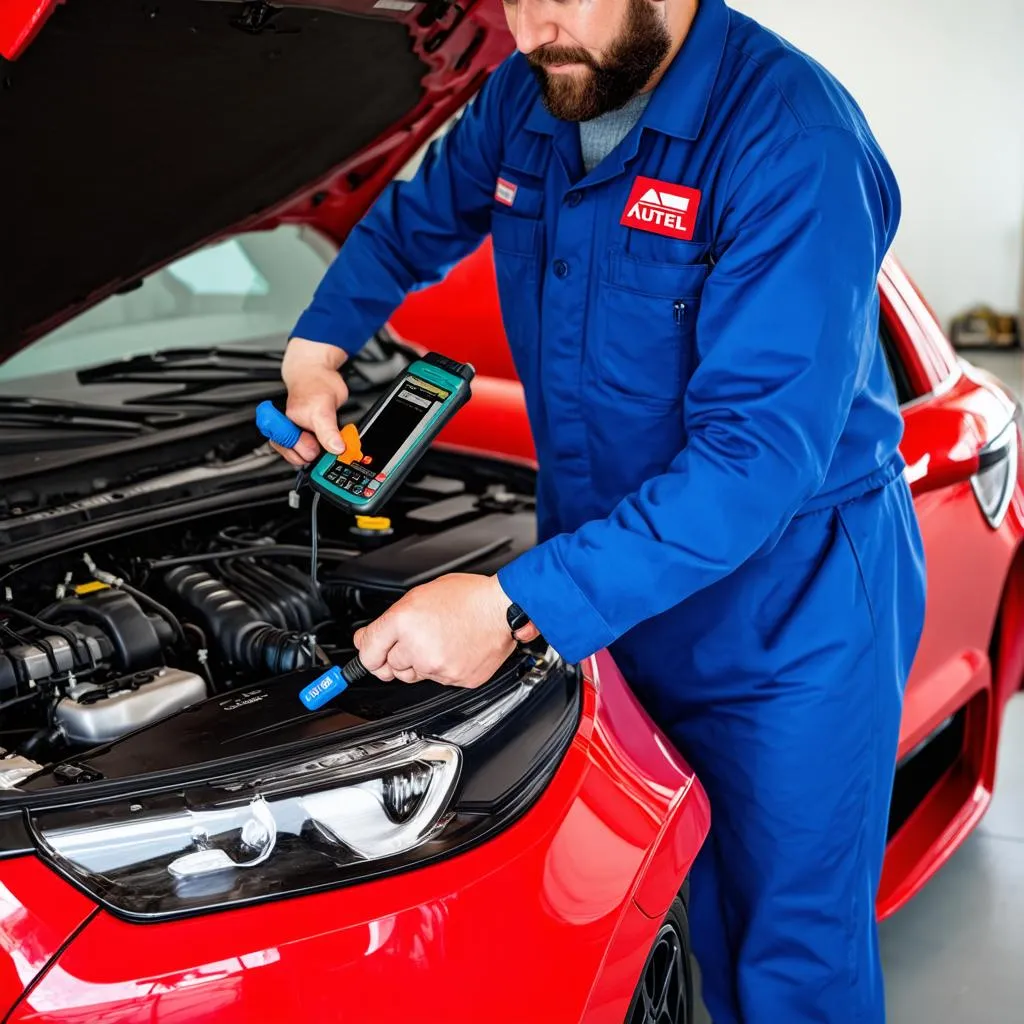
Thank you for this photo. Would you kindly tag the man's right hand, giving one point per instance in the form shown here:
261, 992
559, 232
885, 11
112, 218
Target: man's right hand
316, 392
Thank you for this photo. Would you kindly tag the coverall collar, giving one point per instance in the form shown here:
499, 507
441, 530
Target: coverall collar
680, 101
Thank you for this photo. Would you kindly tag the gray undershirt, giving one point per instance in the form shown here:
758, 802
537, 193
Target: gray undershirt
601, 135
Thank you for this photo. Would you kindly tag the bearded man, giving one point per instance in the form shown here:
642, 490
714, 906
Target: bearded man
688, 218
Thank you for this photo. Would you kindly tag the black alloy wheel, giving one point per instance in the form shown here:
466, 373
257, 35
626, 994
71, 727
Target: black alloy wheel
664, 994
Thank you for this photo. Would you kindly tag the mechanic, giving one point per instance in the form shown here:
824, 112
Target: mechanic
688, 219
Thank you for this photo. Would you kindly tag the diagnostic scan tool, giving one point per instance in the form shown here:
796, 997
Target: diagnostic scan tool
393, 435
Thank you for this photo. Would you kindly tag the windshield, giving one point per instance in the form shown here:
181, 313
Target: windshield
246, 290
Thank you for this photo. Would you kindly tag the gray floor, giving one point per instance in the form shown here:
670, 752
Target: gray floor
955, 954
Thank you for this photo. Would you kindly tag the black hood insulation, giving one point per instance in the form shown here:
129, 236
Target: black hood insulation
132, 131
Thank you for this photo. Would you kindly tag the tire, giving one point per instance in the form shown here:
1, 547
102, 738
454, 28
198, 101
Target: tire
664, 994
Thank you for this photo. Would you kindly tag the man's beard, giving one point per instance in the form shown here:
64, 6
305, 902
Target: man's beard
625, 69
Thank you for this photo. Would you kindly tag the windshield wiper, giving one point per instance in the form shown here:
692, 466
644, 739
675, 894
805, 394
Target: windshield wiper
222, 376
178, 387
184, 386
237, 376
58, 414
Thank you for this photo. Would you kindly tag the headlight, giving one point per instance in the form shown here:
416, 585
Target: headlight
338, 816
997, 476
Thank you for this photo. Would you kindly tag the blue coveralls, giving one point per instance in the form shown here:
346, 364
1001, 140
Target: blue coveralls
720, 492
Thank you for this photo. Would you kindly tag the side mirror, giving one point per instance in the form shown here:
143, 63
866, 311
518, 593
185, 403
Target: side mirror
945, 445
936, 469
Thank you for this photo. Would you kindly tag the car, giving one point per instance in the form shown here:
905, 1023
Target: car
962, 445
180, 838
124, 446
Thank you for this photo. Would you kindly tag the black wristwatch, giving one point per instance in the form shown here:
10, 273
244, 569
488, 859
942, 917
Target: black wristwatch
516, 617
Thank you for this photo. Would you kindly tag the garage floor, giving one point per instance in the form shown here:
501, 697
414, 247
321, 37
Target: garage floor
954, 954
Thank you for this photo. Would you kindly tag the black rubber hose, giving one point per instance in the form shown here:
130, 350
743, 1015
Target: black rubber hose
15, 701
241, 636
74, 641
48, 735
165, 613
260, 551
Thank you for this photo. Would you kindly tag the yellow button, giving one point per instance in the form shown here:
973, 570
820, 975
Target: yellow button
373, 522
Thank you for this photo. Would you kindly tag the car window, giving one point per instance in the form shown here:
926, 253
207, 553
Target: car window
247, 289
897, 370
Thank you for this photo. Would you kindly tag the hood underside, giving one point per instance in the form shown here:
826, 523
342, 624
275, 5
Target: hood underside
136, 131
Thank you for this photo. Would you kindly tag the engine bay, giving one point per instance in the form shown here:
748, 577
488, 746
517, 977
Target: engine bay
102, 639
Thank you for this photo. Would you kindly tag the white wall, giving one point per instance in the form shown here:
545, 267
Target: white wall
942, 82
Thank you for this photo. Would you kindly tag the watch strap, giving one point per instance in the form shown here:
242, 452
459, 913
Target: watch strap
516, 617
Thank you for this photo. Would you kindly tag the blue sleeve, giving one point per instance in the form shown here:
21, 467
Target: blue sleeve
788, 319
415, 231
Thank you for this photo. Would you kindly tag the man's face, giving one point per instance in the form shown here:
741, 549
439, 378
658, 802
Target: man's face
590, 56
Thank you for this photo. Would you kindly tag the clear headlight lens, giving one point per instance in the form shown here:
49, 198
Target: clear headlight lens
342, 814
339, 809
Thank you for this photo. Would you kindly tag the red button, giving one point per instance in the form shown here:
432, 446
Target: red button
380, 478
367, 493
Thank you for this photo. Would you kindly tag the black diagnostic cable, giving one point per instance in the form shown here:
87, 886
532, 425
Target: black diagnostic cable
314, 544
353, 670
302, 477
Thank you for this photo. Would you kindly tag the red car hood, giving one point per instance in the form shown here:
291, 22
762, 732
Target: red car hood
134, 131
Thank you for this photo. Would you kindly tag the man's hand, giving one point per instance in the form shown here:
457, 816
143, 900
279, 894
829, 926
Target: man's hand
452, 630
315, 394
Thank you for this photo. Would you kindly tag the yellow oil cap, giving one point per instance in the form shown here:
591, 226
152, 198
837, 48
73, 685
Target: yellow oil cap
373, 522
90, 587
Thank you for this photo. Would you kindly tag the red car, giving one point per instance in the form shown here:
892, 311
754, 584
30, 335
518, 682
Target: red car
181, 840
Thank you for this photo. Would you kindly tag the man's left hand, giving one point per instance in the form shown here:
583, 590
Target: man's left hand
452, 630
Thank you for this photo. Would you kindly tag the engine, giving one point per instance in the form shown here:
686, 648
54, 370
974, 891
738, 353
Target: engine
97, 643
99, 658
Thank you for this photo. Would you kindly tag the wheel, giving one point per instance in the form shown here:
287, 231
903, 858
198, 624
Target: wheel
664, 994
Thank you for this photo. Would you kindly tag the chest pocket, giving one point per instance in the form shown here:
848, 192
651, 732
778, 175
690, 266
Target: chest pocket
517, 243
645, 334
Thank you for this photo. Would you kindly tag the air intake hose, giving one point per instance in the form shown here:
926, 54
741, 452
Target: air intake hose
241, 636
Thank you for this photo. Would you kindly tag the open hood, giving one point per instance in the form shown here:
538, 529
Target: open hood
135, 131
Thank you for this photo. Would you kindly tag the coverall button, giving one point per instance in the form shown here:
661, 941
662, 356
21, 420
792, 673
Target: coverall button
574, 198
561, 269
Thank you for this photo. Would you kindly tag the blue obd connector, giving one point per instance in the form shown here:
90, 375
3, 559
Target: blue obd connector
323, 689
275, 426
334, 681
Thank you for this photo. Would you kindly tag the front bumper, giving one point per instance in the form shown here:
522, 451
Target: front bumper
549, 920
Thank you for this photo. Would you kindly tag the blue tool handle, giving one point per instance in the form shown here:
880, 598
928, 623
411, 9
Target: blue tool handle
275, 426
323, 689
